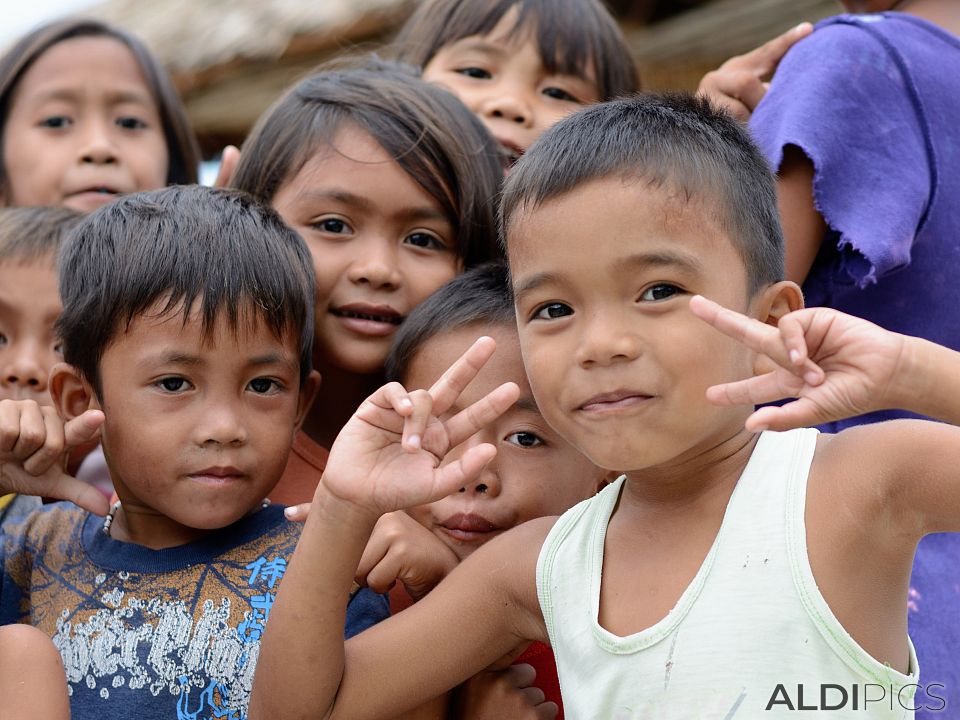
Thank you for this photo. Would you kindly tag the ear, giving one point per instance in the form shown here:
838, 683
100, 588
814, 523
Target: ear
308, 393
72, 395
775, 301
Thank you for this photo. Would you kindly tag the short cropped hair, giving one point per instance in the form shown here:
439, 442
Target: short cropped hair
678, 140
430, 134
480, 295
32, 234
182, 245
183, 151
570, 34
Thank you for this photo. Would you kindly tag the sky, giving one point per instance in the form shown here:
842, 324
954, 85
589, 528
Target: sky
19, 16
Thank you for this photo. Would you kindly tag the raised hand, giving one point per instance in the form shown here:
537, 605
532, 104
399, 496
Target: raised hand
835, 365
740, 83
34, 444
387, 457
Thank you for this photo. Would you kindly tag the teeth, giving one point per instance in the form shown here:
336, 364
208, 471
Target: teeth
395, 320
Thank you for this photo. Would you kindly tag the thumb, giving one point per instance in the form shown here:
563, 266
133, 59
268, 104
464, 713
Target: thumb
769, 55
297, 513
83, 428
229, 160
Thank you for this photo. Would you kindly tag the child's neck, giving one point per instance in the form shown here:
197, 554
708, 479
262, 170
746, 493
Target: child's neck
341, 393
703, 474
945, 13
134, 523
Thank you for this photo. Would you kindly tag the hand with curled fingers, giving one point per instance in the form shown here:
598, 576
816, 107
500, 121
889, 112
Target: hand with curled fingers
34, 445
387, 457
741, 82
402, 550
835, 365
497, 694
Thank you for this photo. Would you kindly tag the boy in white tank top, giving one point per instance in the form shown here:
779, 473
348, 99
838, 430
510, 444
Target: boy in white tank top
745, 574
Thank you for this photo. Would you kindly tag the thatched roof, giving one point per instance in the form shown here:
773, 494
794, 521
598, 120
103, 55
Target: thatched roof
232, 58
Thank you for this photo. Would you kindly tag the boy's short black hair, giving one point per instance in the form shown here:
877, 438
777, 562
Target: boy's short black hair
571, 35
678, 140
32, 234
184, 244
480, 295
430, 134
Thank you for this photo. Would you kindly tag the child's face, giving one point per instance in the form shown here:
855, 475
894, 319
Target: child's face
29, 307
83, 127
503, 81
380, 244
198, 427
617, 361
534, 474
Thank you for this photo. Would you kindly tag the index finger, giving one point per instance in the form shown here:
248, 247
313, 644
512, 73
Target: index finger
448, 387
752, 333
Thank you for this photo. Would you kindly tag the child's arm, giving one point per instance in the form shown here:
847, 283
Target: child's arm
34, 443
388, 457
838, 366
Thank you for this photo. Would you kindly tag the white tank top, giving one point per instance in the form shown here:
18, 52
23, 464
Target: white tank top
751, 631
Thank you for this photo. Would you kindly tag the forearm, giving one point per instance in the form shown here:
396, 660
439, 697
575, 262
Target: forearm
927, 381
302, 652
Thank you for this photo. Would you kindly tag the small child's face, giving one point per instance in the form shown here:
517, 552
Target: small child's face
198, 427
380, 244
503, 81
29, 307
618, 363
83, 127
534, 474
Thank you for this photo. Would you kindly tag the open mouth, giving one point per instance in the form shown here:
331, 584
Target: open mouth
391, 319
509, 154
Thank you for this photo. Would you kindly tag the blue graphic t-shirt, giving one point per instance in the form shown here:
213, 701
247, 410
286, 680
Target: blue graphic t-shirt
166, 634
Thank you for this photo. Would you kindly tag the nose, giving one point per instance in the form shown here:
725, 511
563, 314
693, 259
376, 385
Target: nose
97, 146
487, 484
508, 104
606, 341
22, 367
221, 424
377, 265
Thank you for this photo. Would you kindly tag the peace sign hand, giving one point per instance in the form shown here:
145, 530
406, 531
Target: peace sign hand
836, 365
388, 455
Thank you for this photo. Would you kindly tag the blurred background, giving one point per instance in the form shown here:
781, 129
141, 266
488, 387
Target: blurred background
231, 58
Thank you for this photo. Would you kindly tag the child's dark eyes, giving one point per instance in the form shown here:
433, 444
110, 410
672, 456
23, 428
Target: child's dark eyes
425, 240
131, 123
263, 386
56, 122
662, 291
475, 72
560, 94
524, 439
3, 339
552, 311
173, 384
334, 226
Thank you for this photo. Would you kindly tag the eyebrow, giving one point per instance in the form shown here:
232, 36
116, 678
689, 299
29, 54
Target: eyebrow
664, 258
364, 204
179, 358
480, 46
114, 98
528, 403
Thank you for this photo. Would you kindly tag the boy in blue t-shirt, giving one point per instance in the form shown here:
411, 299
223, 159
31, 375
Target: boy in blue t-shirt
187, 331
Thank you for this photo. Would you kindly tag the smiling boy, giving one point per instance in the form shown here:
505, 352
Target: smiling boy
731, 571
186, 329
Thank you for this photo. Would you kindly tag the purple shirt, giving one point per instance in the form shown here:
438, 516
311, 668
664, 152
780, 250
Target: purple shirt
874, 102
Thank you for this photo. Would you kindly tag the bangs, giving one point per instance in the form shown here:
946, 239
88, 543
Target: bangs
573, 37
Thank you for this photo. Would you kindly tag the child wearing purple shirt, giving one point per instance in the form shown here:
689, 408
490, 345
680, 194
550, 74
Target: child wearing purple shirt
861, 123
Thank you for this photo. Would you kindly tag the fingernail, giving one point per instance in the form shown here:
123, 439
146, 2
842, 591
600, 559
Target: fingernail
414, 441
291, 511
405, 403
794, 356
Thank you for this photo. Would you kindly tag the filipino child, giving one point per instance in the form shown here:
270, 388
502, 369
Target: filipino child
392, 183
747, 567
190, 356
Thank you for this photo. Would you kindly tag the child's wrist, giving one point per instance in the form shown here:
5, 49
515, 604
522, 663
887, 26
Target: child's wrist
927, 381
333, 508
